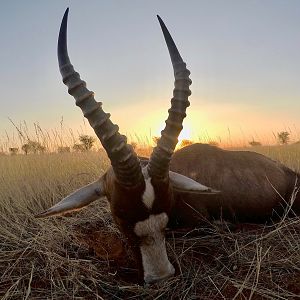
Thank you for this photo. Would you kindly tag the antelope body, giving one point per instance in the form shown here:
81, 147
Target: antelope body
254, 188
140, 197
144, 195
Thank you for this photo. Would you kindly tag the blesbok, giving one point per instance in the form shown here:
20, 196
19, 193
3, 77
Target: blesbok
145, 196
140, 197
254, 188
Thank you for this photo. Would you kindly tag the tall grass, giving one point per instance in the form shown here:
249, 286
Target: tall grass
289, 155
83, 256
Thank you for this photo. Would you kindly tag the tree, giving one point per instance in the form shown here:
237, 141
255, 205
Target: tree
87, 141
25, 148
33, 147
254, 143
283, 137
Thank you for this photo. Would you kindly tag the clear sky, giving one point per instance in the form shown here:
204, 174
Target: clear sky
244, 58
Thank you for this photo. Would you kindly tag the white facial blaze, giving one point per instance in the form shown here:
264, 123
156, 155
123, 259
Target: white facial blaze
148, 196
153, 248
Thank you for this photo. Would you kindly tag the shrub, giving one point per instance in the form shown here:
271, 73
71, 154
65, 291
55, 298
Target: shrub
78, 147
283, 137
63, 149
87, 141
33, 147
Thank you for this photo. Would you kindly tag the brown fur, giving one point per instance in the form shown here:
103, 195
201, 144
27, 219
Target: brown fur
127, 208
253, 188
250, 185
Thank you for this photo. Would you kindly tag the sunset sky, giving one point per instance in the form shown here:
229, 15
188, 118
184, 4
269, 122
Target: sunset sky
244, 58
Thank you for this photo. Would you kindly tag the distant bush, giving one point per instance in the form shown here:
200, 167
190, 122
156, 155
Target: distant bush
25, 148
33, 147
254, 143
283, 137
63, 149
87, 141
78, 147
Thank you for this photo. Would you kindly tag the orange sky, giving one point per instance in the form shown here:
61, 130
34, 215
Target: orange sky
243, 57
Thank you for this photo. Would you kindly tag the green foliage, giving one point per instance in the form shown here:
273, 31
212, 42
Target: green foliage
33, 147
283, 137
87, 141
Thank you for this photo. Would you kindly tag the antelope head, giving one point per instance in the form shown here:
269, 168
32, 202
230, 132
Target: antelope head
140, 195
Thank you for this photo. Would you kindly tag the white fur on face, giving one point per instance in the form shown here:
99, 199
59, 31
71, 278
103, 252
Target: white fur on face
153, 248
149, 195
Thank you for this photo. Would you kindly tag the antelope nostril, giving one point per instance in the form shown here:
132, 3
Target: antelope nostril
149, 241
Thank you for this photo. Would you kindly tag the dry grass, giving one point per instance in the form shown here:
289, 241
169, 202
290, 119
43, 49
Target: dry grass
286, 154
58, 258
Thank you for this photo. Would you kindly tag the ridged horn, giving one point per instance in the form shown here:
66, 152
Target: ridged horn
160, 158
124, 161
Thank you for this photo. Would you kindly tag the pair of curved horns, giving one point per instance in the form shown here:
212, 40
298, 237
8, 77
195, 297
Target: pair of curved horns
124, 160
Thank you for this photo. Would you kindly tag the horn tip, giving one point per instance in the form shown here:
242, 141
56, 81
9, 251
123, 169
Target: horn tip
41, 215
38, 216
66, 14
161, 22
62, 50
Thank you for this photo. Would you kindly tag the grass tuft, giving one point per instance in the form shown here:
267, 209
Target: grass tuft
83, 256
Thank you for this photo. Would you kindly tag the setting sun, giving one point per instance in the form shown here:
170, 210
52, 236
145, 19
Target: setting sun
185, 134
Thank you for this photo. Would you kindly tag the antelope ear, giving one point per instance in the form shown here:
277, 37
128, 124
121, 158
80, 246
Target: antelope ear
185, 184
77, 200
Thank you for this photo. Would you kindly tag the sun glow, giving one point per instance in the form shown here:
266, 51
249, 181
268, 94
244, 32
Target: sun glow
185, 134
